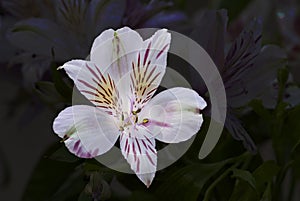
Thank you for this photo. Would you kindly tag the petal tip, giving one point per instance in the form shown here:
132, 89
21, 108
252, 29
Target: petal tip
148, 183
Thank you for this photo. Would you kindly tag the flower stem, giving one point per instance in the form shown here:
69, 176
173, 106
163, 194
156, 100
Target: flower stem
237, 161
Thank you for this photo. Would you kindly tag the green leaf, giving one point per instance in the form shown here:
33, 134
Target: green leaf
187, 183
246, 176
296, 150
259, 109
267, 196
140, 195
265, 173
60, 85
47, 178
71, 187
262, 175
282, 77
84, 197
47, 92
242, 192
290, 141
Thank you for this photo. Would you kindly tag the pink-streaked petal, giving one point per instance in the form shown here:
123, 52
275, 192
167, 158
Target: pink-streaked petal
86, 130
113, 50
96, 86
148, 67
174, 115
141, 154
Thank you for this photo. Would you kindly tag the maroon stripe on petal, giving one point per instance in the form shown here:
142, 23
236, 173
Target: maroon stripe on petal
138, 165
133, 83
89, 92
101, 75
146, 70
133, 69
102, 106
88, 155
79, 151
152, 150
159, 54
138, 144
126, 144
139, 57
93, 72
128, 151
103, 89
76, 145
145, 145
154, 78
87, 84
134, 152
95, 152
147, 53
158, 123
110, 81
150, 74
152, 90
150, 159
148, 140
143, 92
97, 101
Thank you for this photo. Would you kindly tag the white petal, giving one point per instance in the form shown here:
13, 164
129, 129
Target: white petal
149, 66
86, 130
174, 115
140, 153
96, 86
113, 50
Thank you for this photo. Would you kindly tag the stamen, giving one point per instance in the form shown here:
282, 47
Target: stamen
137, 111
145, 121
68, 134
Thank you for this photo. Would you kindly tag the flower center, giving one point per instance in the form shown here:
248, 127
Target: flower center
131, 119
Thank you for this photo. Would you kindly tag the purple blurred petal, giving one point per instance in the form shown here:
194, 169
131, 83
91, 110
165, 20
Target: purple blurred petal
210, 34
237, 131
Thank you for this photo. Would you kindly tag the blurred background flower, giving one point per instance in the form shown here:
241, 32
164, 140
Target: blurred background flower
39, 33
245, 66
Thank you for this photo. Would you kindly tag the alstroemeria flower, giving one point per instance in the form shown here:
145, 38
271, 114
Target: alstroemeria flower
120, 80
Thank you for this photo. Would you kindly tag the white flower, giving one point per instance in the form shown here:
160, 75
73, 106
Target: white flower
120, 80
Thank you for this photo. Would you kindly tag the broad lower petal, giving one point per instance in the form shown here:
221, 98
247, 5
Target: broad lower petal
173, 115
140, 153
86, 130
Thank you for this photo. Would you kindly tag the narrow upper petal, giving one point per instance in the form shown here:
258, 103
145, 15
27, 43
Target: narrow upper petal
113, 50
96, 86
174, 115
86, 130
136, 66
148, 67
139, 151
